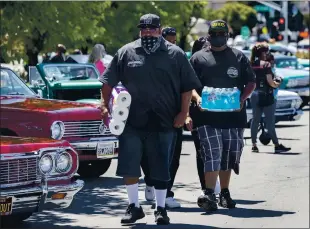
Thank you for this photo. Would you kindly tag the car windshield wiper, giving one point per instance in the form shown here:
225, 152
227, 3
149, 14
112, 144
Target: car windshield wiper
15, 93
79, 78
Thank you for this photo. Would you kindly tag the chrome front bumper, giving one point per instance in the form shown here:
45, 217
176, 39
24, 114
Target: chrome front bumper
304, 91
35, 199
92, 144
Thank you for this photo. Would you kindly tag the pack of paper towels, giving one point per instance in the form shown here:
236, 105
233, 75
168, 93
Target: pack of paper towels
119, 104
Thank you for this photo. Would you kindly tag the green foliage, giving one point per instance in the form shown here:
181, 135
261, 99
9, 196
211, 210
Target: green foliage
39, 26
122, 19
30, 28
236, 14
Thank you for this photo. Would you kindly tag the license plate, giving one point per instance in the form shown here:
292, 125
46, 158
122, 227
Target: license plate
105, 149
6, 204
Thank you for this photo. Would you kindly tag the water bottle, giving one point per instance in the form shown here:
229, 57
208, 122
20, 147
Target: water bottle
236, 96
204, 98
275, 93
225, 98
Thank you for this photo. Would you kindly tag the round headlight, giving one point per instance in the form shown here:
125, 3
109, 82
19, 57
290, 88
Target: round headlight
57, 130
298, 103
46, 164
63, 163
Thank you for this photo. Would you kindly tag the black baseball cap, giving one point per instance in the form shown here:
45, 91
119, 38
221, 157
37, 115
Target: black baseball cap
168, 31
149, 20
218, 26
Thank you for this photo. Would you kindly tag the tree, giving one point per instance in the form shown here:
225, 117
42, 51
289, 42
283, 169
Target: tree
121, 20
237, 15
40, 26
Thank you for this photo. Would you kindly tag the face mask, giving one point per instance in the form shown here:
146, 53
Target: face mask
218, 41
150, 44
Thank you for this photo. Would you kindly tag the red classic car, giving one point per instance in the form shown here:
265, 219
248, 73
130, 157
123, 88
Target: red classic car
24, 113
35, 174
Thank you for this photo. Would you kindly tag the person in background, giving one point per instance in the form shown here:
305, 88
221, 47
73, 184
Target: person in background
220, 133
262, 99
170, 34
60, 56
96, 56
160, 80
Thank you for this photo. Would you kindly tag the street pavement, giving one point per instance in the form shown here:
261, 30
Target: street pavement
272, 191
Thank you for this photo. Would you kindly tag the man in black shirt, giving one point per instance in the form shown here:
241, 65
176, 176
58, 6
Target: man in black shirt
160, 80
169, 34
220, 133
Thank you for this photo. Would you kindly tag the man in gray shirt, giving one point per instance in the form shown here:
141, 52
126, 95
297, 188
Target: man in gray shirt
160, 80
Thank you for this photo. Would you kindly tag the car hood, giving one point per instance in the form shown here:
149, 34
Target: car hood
285, 93
41, 105
11, 144
286, 72
76, 84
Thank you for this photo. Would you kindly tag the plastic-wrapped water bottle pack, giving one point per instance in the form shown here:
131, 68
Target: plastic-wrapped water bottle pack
220, 99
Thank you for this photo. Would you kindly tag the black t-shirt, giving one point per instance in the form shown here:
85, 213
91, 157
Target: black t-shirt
262, 69
224, 69
155, 82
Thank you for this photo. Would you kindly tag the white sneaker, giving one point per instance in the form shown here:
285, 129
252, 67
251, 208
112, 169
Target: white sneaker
149, 193
172, 203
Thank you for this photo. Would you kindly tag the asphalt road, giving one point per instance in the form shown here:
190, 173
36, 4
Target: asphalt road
271, 191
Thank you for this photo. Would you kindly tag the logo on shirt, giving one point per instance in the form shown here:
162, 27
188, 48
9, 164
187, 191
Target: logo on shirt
135, 63
232, 72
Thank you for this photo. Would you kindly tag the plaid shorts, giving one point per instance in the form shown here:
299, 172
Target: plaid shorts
221, 149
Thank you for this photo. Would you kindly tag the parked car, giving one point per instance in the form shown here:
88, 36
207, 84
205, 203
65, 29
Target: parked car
305, 63
291, 62
288, 107
35, 174
66, 81
23, 113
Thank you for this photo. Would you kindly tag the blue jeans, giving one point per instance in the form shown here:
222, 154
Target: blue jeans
157, 146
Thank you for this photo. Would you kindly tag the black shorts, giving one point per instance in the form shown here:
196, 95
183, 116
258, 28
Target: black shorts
157, 146
221, 149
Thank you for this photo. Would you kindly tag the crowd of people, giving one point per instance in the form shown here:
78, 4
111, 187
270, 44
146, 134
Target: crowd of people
166, 93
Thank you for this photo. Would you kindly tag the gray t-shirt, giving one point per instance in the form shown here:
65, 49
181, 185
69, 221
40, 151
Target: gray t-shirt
155, 82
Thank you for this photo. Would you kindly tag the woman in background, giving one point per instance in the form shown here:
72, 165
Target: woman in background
96, 56
262, 99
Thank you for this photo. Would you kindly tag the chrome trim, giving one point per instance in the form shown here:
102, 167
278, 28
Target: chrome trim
38, 154
85, 129
41, 198
62, 128
92, 145
70, 162
302, 91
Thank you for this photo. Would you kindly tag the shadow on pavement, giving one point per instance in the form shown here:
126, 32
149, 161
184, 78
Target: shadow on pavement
251, 213
249, 202
172, 225
285, 153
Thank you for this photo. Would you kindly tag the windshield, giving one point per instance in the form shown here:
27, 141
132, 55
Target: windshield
288, 63
11, 84
69, 72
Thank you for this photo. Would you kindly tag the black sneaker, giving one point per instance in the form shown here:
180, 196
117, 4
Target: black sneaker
281, 148
255, 149
132, 214
207, 202
225, 200
161, 217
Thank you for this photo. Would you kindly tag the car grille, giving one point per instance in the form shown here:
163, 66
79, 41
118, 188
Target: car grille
84, 129
18, 171
284, 104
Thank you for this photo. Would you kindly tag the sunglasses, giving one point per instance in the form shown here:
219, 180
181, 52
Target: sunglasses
217, 34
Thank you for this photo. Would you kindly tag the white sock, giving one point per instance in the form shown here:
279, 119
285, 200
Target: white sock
133, 194
160, 197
